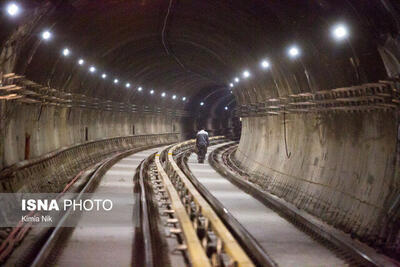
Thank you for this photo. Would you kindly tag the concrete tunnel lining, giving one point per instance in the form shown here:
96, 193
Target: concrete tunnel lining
343, 166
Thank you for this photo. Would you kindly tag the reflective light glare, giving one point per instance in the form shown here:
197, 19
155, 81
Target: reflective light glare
174, 97
183, 98
92, 69
46, 35
103, 75
163, 94
246, 74
340, 32
127, 85
12, 9
294, 52
201, 103
116, 81
140, 88
226, 108
231, 84
66, 52
81, 61
236, 79
151, 91
265, 64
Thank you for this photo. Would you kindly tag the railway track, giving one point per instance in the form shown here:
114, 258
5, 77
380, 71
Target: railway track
225, 184
171, 223
176, 219
60, 247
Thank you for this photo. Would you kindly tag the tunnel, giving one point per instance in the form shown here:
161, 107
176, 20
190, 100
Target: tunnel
111, 98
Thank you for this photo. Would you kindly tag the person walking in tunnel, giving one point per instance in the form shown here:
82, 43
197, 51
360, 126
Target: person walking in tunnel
201, 145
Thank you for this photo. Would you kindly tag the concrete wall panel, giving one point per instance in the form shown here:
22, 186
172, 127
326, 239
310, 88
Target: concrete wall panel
341, 166
50, 128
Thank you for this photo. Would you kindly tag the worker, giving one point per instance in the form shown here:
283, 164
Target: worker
201, 145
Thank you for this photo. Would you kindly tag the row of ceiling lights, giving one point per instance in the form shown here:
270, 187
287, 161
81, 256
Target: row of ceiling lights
339, 32
13, 10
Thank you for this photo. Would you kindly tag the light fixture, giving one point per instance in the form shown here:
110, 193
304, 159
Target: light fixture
201, 103
265, 64
174, 97
12, 9
231, 92
46, 35
66, 52
139, 88
163, 94
293, 51
231, 85
236, 79
127, 85
183, 98
226, 108
246, 74
81, 62
116, 81
151, 92
340, 32
104, 76
92, 69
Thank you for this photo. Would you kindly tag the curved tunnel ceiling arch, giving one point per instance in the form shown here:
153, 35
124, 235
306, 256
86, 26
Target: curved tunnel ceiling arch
125, 38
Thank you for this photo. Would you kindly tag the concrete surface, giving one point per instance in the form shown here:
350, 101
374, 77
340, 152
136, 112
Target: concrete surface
342, 167
51, 172
280, 239
51, 128
103, 245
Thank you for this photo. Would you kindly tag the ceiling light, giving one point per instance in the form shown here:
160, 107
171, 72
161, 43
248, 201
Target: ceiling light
12, 9
231, 85
151, 92
340, 32
46, 35
201, 103
163, 94
246, 74
92, 69
116, 81
139, 88
236, 79
104, 76
81, 61
174, 97
127, 85
294, 51
226, 108
66, 52
265, 64
183, 98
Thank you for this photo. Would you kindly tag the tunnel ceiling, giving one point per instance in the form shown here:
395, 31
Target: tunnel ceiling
192, 48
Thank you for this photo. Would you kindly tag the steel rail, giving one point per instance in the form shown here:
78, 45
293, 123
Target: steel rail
196, 252
225, 240
356, 254
50, 243
248, 242
143, 248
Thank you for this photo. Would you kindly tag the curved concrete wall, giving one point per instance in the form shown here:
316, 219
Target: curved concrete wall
341, 166
51, 128
51, 172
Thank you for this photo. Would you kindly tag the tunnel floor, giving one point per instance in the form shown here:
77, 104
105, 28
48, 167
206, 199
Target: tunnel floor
286, 244
109, 243
163, 216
